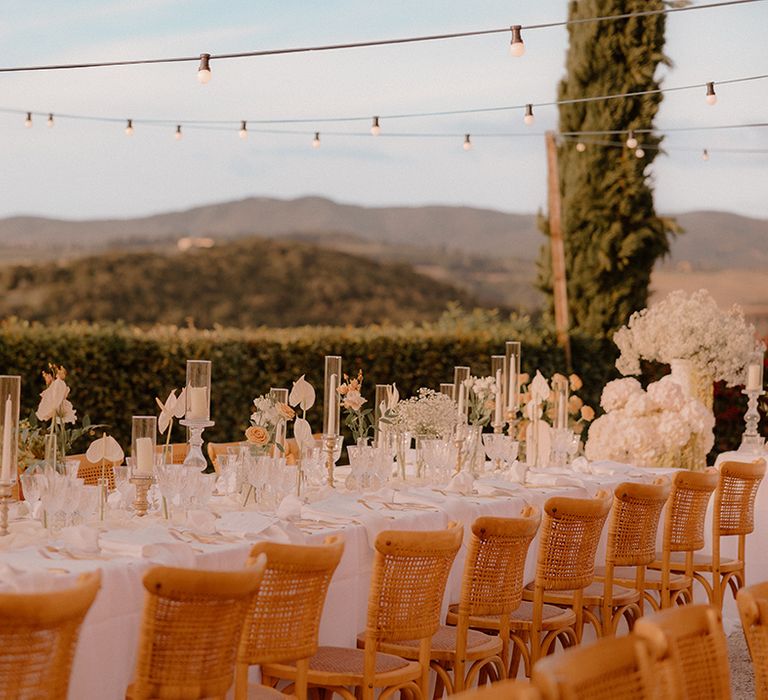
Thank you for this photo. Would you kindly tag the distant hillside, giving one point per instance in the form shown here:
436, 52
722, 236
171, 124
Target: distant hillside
712, 239
249, 282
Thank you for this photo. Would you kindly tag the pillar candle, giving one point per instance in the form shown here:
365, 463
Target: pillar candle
753, 378
198, 403
461, 411
5, 470
512, 385
497, 420
332, 397
145, 455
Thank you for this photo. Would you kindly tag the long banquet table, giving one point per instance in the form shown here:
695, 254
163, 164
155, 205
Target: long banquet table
106, 652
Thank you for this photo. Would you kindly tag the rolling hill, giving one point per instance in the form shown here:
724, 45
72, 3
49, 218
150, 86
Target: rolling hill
248, 282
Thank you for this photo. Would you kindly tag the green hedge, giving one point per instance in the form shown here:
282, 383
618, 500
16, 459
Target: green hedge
116, 371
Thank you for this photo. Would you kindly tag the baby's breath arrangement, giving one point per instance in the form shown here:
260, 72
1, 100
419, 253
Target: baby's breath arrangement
428, 413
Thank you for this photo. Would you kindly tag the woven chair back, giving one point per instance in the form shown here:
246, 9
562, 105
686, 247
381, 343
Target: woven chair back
609, 669
283, 619
696, 658
38, 637
735, 496
570, 533
410, 570
493, 572
687, 509
502, 690
634, 523
220, 448
176, 450
753, 610
190, 630
91, 473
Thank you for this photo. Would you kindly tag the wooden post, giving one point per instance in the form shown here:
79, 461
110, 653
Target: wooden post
557, 248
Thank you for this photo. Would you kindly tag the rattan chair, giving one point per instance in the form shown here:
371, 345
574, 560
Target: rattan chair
753, 610
410, 570
733, 515
283, 620
38, 637
696, 652
91, 473
609, 669
190, 631
569, 535
632, 531
490, 591
683, 532
503, 690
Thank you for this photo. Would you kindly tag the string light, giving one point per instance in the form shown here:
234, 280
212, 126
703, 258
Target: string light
705, 155
467, 143
528, 118
581, 147
129, 128
375, 128
49, 123
631, 140
204, 71
243, 130
177, 135
516, 45
28, 120
316, 140
639, 153
711, 96
380, 42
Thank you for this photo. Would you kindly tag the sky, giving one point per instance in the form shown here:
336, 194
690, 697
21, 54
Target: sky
82, 169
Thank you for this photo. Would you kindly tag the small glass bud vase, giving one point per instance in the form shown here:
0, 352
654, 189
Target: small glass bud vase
198, 391
10, 394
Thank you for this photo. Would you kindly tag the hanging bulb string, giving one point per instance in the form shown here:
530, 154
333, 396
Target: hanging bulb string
650, 147
379, 42
408, 115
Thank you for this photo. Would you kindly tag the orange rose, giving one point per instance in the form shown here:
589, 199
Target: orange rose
257, 435
587, 413
575, 404
285, 411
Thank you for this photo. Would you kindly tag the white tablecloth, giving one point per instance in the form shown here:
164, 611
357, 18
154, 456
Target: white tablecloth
106, 652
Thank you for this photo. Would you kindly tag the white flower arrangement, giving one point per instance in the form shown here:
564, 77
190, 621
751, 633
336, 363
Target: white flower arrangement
427, 413
644, 427
718, 343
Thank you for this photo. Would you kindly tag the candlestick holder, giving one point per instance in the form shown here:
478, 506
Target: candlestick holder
142, 482
195, 456
329, 442
498, 428
6, 496
751, 440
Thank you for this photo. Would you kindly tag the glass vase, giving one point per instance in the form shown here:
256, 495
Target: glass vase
475, 451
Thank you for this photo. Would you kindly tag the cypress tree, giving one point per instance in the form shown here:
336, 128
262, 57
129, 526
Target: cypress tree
612, 234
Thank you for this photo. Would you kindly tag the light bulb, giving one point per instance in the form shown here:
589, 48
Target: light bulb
316, 140
705, 155
711, 96
129, 128
467, 143
28, 120
49, 123
631, 140
580, 147
204, 70
517, 45
375, 128
177, 135
639, 153
528, 118
243, 130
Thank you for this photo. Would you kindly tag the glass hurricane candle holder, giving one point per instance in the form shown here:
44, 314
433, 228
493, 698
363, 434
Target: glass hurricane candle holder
280, 396
560, 389
143, 444
10, 395
497, 372
460, 375
198, 391
754, 379
447, 389
512, 359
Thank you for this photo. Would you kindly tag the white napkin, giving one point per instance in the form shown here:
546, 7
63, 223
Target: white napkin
581, 465
81, 538
244, 523
22, 534
462, 483
289, 508
202, 521
517, 472
154, 543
